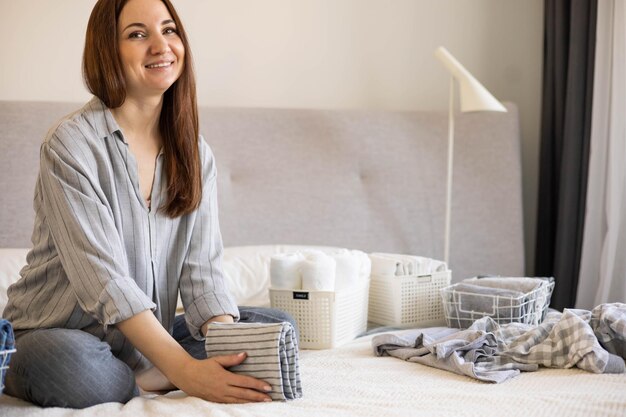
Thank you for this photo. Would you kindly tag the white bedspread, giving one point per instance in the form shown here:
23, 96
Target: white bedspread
350, 381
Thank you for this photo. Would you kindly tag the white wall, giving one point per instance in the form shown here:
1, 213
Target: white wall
310, 54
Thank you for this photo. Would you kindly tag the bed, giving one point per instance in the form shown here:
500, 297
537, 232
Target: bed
367, 180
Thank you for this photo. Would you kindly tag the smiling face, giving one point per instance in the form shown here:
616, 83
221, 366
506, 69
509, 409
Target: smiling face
151, 51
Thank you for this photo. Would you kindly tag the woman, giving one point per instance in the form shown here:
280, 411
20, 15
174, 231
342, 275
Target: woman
126, 215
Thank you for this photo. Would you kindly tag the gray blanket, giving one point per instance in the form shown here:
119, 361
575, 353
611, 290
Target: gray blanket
492, 352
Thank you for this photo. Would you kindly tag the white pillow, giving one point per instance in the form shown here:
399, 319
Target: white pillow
11, 262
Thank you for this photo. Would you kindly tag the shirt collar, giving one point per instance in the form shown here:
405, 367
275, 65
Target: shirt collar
104, 122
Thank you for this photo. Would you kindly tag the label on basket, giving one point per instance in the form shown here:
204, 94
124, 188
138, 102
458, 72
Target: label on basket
300, 295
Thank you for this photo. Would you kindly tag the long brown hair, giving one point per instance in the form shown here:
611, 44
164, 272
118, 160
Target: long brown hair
178, 124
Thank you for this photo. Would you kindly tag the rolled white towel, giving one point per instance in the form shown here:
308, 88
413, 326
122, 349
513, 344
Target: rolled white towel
348, 270
318, 272
390, 264
427, 266
285, 271
365, 264
410, 264
438, 266
402, 264
384, 265
312, 253
422, 266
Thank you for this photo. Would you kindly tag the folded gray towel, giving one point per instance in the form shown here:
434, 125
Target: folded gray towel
521, 284
538, 290
272, 353
495, 302
505, 299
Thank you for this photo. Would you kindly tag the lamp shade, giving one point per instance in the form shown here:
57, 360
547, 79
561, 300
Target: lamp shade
473, 95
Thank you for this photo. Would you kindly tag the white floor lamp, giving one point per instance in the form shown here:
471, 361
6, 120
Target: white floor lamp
473, 97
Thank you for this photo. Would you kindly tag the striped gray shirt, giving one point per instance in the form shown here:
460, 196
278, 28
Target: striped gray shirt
99, 255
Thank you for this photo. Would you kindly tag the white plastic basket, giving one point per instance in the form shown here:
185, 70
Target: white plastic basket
4, 366
326, 319
410, 300
530, 308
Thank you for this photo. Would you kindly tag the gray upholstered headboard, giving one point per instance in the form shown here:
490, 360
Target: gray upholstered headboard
366, 180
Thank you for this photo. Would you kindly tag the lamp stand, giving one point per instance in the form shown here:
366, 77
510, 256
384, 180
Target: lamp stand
446, 250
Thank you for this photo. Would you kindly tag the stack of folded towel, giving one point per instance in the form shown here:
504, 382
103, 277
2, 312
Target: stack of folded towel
314, 270
505, 299
390, 264
272, 353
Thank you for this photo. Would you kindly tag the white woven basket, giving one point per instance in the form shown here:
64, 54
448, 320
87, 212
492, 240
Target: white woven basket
326, 319
409, 300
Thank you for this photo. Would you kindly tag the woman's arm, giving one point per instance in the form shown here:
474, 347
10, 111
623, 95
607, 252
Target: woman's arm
207, 379
84, 231
203, 288
222, 319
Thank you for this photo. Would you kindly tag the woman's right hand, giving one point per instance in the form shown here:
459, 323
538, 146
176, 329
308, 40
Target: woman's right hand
206, 378
210, 379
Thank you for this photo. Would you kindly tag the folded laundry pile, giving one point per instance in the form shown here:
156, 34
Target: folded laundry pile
314, 270
272, 353
391, 264
488, 351
504, 299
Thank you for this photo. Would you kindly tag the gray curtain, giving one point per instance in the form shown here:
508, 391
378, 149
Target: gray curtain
569, 49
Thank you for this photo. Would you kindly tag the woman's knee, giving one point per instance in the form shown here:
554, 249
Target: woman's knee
68, 368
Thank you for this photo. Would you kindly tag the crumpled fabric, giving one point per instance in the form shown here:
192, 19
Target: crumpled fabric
608, 322
492, 352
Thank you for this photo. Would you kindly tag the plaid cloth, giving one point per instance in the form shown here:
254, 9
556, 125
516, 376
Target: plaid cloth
466, 352
562, 340
492, 352
608, 322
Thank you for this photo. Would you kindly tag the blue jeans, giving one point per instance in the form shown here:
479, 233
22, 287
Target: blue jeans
72, 368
